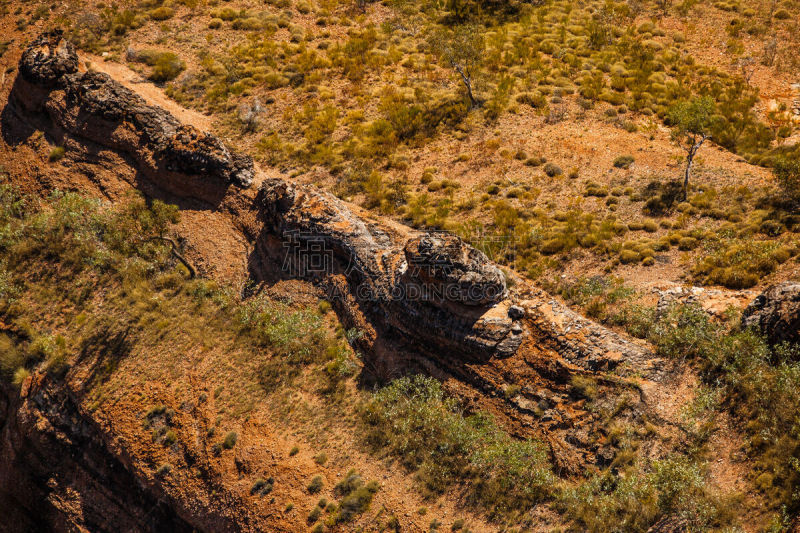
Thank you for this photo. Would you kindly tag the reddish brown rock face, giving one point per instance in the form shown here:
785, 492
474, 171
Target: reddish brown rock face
420, 300
93, 107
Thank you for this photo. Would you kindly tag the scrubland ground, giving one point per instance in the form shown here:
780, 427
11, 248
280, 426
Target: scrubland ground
563, 168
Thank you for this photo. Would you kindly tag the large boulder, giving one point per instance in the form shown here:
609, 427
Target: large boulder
450, 269
776, 313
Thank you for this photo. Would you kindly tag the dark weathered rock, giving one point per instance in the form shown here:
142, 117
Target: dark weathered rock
776, 313
48, 59
92, 106
433, 290
456, 271
516, 312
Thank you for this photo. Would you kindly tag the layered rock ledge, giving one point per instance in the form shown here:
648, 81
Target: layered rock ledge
55, 84
433, 292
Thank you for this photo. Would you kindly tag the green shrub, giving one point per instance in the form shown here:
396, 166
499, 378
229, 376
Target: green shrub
11, 358
226, 13
623, 161
636, 319
56, 154
740, 264
553, 170
584, 386
629, 256
787, 172
262, 486
170, 438
248, 24
355, 495
230, 440
315, 486
166, 66
534, 99
637, 497
321, 458
414, 420
650, 226
314, 515
687, 243
161, 13
20, 375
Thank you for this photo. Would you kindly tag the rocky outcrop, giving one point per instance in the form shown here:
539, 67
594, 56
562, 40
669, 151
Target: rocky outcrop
428, 296
776, 313
55, 86
59, 475
433, 292
438, 293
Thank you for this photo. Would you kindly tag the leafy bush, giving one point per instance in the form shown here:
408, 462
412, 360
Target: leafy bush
623, 161
166, 66
262, 486
674, 487
553, 170
414, 420
355, 495
56, 154
230, 440
787, 172
315, 486
761, 384
740, 264
161, 13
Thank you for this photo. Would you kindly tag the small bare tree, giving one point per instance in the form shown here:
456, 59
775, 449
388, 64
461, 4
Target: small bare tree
747, 67
250, 115
691, 121
663, 7
770, 51
462, 49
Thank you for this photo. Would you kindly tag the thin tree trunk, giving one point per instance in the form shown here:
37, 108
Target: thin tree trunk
468, 85
689, 161
178, 256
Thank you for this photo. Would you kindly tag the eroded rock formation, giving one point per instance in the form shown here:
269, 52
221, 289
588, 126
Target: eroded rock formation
433, 288
437, 292
53, 83
776, 313
430, 296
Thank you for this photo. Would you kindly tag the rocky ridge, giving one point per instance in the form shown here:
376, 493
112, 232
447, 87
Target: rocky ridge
430, 297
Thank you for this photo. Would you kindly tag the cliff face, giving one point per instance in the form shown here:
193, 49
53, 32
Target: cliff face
425, 298
59, 474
